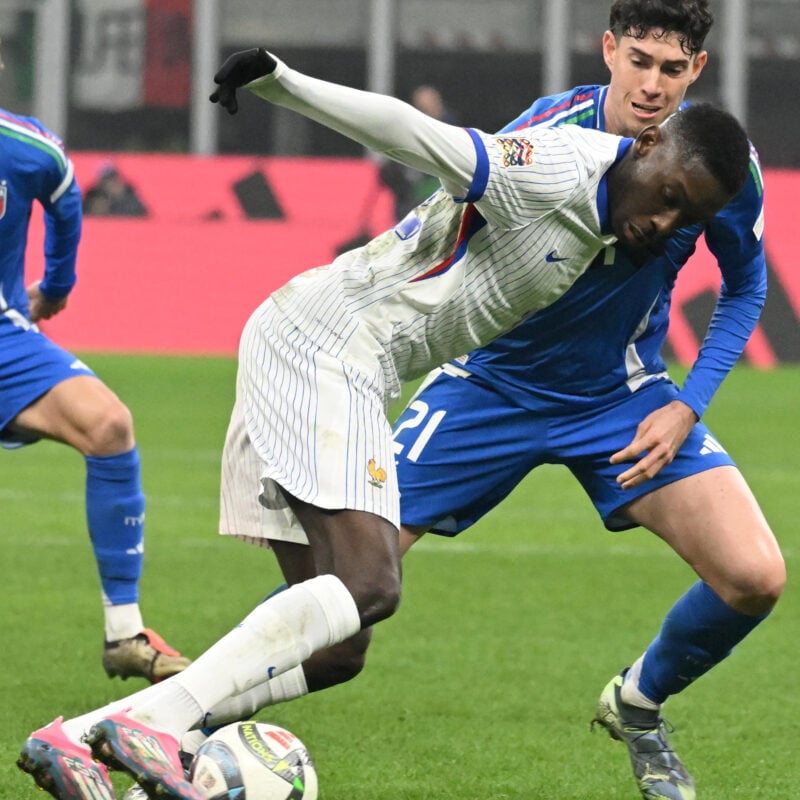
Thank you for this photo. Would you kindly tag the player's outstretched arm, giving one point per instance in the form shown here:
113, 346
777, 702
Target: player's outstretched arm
238, 70
381, 123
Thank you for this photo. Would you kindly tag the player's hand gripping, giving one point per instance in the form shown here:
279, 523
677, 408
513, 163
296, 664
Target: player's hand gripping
238, 70
41, 307
659, 436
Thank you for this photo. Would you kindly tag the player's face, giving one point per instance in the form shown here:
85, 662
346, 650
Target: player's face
649, 79
654, 191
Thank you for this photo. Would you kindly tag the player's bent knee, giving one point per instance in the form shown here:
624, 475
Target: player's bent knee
379, 597
112, 431
772, 583
757, 591
381, 604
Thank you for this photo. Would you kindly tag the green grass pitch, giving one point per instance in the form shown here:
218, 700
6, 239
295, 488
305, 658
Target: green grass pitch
483, 684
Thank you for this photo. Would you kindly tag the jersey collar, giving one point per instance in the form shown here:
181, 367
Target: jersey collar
602, 189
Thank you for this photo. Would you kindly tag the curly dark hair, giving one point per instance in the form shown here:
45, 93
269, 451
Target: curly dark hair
716, 139
690, 20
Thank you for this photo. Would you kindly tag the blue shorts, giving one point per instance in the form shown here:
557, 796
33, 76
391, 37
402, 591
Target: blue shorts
30, 365
461, 447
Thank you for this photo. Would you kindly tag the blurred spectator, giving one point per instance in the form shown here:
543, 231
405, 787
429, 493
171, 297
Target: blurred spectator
408, 186
111, 195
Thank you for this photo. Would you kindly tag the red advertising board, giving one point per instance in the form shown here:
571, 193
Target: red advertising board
223, 232
185, 278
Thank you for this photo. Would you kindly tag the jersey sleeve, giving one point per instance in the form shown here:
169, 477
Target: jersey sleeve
532, 173
63, 218
382, 123
50, 176
735, 237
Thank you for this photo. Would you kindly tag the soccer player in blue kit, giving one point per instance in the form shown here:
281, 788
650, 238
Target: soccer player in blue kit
47, 393
582, 383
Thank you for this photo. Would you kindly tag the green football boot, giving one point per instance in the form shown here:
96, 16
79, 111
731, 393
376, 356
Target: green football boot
658, 770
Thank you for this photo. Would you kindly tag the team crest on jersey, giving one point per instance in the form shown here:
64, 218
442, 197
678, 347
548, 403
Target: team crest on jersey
516, 152
377, 475
3, 198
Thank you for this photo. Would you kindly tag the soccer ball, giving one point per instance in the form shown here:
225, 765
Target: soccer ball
254, 761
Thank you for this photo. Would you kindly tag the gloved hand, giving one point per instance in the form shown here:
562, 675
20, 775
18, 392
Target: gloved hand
238, 70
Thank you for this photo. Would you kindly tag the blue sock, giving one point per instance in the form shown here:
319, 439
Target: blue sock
115, 513
699, 632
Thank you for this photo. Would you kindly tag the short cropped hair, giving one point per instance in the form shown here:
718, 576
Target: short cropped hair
689, 20
716, 139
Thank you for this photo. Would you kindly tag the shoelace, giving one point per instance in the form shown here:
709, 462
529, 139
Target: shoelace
662, 729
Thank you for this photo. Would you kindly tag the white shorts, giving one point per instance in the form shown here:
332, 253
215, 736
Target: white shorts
307, 423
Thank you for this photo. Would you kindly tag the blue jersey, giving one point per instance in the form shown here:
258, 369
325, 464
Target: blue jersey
34, 167
607, 331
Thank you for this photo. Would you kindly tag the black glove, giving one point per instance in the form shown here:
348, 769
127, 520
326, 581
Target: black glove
238, 70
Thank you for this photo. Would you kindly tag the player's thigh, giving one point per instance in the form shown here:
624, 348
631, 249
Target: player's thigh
83, 412
460, 448
295, 560
31, 368
714, 522
350, 544
360, 548
586, 440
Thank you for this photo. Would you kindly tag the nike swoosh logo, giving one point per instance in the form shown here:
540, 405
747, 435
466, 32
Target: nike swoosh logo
552, 257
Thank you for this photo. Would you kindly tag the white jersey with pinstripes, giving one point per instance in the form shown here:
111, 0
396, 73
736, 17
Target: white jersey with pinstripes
453, 276
519, 219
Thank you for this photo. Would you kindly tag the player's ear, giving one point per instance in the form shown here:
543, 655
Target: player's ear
698, 62
647, 139
609, 49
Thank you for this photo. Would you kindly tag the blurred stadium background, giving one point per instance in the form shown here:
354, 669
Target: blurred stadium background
126, 82
134, 74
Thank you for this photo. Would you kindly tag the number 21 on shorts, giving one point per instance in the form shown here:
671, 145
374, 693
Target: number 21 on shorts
421, 422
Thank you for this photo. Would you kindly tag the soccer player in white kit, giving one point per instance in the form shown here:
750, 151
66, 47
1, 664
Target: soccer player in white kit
518, 220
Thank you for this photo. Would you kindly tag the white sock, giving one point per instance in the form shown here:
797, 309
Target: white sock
122, 622
75, 728
191, 741
630, 692
286, 686
276, 636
